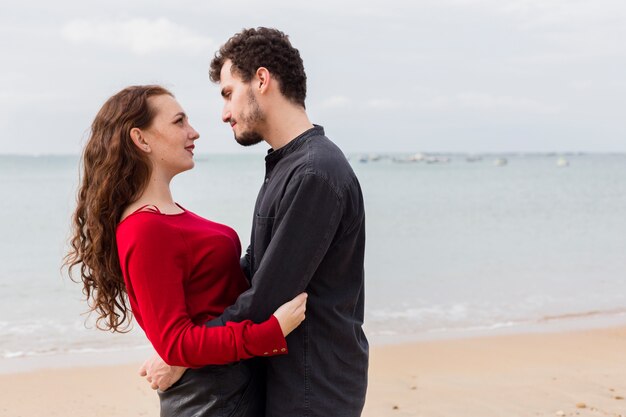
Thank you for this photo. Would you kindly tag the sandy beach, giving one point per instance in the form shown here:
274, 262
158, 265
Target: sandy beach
579, 373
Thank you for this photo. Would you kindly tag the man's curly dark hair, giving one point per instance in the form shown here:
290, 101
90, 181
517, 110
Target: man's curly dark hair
252, 48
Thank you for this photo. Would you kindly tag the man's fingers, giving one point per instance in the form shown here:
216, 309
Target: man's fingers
154, 385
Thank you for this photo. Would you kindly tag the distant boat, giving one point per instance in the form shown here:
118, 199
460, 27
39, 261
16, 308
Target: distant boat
403, 160
421, 157
373, 157
562, 162
437, 160
500, 162
473, 158
418, 157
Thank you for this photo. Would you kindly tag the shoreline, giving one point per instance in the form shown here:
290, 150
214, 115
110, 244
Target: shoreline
571, 373
571, 322
133, 354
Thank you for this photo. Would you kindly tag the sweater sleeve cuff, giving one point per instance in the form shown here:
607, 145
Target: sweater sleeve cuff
264, 339
273, 340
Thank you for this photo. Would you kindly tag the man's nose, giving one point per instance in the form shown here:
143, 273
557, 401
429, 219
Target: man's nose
226, 115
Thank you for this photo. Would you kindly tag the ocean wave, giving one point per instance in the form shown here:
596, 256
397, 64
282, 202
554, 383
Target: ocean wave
47, 337
70, 350
585, 314
468, 317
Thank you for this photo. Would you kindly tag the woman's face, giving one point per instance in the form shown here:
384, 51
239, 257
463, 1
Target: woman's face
170, 137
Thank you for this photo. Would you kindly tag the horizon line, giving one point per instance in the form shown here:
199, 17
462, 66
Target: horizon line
380, 153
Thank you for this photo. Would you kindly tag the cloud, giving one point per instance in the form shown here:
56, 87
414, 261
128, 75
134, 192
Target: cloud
551, 14
14, 98
140, 36
343, 102
336, 102
489, 102
382, 103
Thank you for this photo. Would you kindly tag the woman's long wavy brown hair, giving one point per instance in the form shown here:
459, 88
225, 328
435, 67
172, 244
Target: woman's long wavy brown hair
115, 173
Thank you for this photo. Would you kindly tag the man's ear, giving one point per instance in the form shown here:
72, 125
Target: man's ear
263, 79
139, 140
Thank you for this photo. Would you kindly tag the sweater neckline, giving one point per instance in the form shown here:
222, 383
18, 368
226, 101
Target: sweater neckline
151, 208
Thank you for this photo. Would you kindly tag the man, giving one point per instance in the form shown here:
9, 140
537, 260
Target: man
308, 231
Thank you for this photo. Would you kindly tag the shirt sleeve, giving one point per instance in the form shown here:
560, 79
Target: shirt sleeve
307, 221
157, 264
245, 264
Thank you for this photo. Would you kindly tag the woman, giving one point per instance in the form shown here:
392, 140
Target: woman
139, 251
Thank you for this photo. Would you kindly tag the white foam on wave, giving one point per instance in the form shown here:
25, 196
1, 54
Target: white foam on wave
110, 349
46, 337
453, 312
58, 351
493, 326
11, 355
473, 318
38, 326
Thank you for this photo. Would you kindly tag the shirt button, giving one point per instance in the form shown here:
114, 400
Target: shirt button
275, 351
283, 350
267, 179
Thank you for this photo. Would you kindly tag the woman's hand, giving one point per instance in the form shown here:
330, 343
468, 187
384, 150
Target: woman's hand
291, 314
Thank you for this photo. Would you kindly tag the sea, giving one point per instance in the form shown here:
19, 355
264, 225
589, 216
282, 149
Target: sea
457, 246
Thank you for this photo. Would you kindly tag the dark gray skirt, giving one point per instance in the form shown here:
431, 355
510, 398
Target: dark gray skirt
235, 390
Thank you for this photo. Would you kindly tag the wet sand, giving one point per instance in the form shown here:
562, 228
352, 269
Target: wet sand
579, 373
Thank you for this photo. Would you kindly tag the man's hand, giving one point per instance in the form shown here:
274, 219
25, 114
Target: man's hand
159, 374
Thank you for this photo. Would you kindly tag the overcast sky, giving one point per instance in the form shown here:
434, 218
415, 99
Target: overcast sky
393, 75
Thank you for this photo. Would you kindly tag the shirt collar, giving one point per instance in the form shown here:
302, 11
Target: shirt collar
273, 156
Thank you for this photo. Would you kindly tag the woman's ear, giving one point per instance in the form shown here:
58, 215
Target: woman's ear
139, 140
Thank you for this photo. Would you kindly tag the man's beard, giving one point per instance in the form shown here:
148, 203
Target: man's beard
251, 137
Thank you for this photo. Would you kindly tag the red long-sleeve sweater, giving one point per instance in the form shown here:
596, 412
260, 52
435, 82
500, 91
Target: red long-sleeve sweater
180, 271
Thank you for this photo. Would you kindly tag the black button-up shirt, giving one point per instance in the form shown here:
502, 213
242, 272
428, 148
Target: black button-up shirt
308, 234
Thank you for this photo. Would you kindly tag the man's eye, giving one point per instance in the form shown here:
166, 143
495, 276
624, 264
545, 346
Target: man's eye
179, 121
